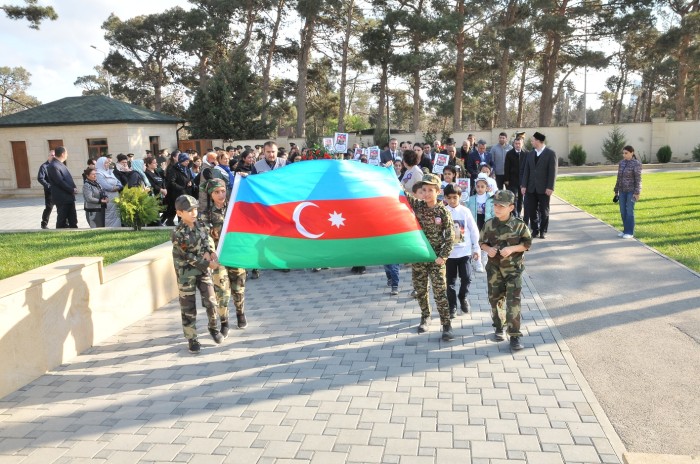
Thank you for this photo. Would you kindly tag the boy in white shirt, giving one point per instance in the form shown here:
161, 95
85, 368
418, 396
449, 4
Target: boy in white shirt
466, 248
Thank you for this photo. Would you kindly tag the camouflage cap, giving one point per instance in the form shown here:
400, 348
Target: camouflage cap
213, 184
431, 179
185, 203
504, 197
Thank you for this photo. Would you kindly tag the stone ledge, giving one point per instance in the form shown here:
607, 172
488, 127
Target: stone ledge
52, 313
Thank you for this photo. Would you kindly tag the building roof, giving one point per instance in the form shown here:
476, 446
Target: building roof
93, 109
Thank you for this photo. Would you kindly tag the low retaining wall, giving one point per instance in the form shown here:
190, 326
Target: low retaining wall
52, 313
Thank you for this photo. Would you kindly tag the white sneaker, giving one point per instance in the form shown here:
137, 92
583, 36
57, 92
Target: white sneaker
620, 234
627, 236
479, 267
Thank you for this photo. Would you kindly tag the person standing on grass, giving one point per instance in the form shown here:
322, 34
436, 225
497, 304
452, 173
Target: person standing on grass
628, 188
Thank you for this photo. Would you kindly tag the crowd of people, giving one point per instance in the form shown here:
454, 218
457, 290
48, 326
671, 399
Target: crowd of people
467, 209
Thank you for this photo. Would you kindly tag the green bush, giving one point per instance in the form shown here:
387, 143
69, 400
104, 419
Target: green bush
613, 145
696, 153
137, 208
664, 154
577, 155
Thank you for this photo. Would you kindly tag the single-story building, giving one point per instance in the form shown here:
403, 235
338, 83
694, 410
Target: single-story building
89, 127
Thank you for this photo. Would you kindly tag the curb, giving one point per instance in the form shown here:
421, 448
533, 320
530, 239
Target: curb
610, 432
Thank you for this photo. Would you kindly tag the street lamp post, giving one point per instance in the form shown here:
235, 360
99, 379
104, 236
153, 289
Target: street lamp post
109, 84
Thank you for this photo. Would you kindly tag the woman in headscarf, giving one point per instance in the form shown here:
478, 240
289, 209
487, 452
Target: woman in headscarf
222, 166
111, 186
139, 167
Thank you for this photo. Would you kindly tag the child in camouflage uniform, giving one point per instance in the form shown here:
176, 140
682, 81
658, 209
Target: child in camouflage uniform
194, 258
436, 222
227, 280
505, 238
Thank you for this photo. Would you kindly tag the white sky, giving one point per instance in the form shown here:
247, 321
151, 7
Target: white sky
59, 52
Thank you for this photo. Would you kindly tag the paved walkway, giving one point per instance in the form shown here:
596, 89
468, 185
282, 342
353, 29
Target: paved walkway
329, 370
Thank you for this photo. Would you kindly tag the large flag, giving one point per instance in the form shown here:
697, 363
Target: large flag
321, 213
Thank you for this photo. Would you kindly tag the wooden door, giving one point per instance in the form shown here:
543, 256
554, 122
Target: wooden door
19, 156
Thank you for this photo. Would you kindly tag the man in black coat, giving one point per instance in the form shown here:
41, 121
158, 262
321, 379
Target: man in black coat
514, 167
537, 185
63, 190
43, 178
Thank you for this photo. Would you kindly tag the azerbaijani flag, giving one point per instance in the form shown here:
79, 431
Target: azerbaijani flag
321, 213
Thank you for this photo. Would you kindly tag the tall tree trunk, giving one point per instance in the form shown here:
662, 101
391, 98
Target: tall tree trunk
650, 97
158, 96
344, 66
415, 123
521, 95
268, 63
696, 102
682, 81
249, 23
550, 68
380, 131
307, 36
202, 67
459, 74
501, 108
637, 104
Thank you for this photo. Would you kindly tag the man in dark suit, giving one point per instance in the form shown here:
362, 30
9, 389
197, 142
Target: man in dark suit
515, 164
43, 178
537, 185
475, 158
392, 154
63, 190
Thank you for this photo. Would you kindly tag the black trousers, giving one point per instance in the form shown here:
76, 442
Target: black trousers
458, 267
500, 178
48, 207
67, 217
537, 212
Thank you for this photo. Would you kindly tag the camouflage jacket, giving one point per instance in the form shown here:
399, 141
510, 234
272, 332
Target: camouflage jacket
436, 223
497, 233
190, 244
214, 220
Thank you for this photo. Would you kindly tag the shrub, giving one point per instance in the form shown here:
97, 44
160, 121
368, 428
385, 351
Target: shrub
577, 155
137, 208
664, 154
696, 153
613, 145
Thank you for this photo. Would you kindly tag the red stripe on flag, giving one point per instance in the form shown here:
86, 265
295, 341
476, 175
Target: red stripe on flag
325, 219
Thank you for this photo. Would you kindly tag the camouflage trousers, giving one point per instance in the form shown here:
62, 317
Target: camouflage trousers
435, 274
505, 287
188, 281
229, 281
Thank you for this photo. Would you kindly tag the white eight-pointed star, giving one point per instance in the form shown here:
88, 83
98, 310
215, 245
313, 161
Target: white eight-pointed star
336, 219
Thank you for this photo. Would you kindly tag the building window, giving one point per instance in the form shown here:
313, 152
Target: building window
97, 148
154, 142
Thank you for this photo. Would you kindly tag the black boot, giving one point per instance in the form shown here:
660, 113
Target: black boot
515, 343
224, 329
447, 335
241, 320
216, 335
193, 345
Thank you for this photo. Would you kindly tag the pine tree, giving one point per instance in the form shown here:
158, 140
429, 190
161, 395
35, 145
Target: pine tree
612, 146
230, 104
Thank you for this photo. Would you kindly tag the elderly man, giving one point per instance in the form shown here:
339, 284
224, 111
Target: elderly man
476, 158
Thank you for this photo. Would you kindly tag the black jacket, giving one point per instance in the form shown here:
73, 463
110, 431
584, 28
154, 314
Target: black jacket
176, 181
62, 184
43, 176
540, 174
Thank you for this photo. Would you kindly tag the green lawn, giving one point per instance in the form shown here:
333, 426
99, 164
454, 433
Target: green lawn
22, 252
667, 216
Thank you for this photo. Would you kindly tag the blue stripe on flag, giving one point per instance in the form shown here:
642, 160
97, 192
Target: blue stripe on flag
319, 180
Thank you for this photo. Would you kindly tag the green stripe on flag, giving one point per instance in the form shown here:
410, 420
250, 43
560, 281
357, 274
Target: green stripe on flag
254, 251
